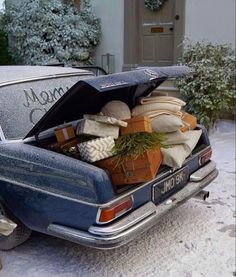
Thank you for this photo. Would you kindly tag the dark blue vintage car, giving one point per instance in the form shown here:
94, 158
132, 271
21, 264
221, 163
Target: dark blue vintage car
52, 193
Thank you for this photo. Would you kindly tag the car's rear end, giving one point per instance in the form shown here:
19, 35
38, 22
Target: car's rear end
68, 198
132, 209
135, 209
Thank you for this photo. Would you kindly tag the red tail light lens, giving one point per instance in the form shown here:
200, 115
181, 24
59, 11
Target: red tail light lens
205, 157
108, 214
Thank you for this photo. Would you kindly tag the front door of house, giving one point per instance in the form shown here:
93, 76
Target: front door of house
157, 34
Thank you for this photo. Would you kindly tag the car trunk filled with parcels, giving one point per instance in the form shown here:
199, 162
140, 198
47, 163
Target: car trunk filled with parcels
107, 159
117, 123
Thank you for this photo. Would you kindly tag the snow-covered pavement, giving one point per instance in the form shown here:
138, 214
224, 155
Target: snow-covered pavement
195, 240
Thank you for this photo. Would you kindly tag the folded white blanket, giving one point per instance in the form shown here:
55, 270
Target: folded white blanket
162, 99
156, 103
153, 114
141, 110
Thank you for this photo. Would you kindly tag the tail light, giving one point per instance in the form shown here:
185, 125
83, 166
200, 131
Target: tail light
110, 213
205, 157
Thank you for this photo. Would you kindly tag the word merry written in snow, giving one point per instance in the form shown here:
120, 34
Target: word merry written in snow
40, 100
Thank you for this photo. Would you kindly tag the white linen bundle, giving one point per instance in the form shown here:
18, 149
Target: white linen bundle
164, 112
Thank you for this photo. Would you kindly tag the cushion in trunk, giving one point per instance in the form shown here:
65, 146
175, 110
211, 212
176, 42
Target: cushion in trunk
166, 123
96, 149
175, 155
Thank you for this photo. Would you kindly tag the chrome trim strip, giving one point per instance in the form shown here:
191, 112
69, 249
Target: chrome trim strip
11, 141
201, 173
112, 240
40, 78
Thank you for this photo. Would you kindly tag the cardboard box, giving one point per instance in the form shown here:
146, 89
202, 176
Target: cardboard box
91, 127
133, 171
64, 133
137, 125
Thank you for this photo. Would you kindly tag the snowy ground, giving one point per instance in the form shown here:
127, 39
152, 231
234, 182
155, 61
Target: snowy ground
195, 240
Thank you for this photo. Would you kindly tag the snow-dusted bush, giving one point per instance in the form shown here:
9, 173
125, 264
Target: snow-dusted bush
5, 57
45, 31
211, 88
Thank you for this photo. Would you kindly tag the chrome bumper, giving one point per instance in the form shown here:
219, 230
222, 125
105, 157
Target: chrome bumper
137, 222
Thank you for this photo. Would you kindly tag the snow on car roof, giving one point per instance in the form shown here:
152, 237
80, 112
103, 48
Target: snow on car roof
15, 73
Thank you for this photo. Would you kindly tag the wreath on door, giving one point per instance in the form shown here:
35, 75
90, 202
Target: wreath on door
154, 5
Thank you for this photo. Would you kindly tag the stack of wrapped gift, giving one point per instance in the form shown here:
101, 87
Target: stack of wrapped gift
106, 129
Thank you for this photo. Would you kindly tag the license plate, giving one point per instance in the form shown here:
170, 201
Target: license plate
169, 185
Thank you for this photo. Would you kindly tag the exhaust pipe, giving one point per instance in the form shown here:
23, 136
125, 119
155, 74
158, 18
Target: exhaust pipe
203, 195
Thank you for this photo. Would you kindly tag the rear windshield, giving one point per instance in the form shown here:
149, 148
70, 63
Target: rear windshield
23, 105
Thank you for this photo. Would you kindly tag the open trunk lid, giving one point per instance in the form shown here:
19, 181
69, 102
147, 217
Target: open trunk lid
90, 95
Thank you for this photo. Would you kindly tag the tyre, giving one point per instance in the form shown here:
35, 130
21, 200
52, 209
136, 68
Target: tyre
18, 236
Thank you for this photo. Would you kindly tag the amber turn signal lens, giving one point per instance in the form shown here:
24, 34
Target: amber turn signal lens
118, 209
205, 157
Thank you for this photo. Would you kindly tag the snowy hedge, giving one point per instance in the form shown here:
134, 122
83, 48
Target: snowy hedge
44, 32
211, 88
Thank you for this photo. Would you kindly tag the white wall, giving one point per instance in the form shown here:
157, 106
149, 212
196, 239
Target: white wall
111, 13
210, 20
1, 4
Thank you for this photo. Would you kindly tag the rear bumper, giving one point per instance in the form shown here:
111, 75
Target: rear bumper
137, 222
